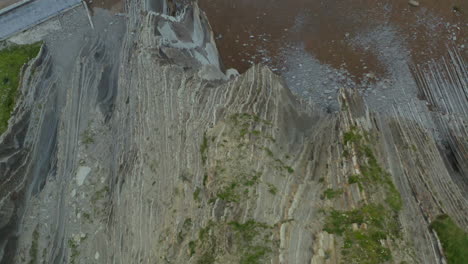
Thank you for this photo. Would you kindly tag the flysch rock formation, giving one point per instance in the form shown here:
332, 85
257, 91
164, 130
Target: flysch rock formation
130, 143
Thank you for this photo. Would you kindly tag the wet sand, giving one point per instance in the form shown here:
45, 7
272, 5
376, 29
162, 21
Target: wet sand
331, 31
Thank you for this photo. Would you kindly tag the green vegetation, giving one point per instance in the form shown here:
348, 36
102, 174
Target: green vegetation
245, 121
272, 189
192, 246
363, 245
74, 250
250, 242
11, 61
196, 194
242, 118
255, 255
246, 234
233, 178
248, 230
207, 258
374, 174
346, 153
393, 197
365, 227
372, 214
353, 179
232, 192
351, 136
454, 239
87, 216
204, 148
73, 245
330, 193
187, 225
269, 152
205, 179
203, 233
289, 169
229, 193
87, 137
250, 180
99, 194
33, 251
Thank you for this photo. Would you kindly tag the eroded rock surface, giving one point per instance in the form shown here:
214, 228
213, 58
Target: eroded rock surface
137, 148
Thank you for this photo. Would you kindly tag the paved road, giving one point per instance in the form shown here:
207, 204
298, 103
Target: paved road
30, 14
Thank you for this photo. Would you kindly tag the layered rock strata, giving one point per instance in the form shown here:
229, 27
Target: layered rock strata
150, 152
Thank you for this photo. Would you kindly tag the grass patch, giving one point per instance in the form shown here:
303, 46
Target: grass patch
203, 233
205, 179
255, 255
187, 225
87, 216
192, 247
331, 193
234, 191
207, 258
247, 235
269, 152
33, 251
272, 189
250, 180
393, 197
196, 194
248, 230
204, 148
374, 174
87, 137
351, 136
289, 169
353, 179
74, 250
454, 239
346, 153
363, 245
248, 243
376, 221
11, 61
373, 214
229, 193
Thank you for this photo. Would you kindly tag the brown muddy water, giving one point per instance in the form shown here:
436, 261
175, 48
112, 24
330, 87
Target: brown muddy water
258, 31
321, 46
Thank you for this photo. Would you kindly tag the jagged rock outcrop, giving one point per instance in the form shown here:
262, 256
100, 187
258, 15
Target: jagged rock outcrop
149, 153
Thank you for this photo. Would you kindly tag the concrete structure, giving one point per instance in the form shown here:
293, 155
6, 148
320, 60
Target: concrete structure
28, 13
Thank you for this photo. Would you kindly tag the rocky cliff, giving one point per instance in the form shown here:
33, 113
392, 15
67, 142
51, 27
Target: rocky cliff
134, 145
